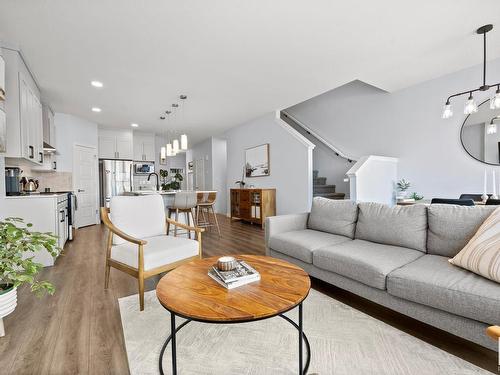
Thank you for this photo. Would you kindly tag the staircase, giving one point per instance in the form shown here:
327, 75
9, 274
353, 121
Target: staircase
321, 189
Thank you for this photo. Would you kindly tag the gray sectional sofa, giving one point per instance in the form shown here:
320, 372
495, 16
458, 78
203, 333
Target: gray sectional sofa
396, 257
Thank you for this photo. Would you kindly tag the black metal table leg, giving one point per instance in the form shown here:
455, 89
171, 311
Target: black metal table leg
174, 346
300, 340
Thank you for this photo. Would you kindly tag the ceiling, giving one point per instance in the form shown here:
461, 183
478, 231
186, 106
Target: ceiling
236, 60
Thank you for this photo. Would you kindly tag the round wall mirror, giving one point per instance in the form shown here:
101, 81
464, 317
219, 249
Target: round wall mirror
480, 134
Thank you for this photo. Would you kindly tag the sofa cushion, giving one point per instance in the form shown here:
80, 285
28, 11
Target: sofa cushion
451, 227
431, 280
333, 216
482, 254
404, 226
301, 243
364, 261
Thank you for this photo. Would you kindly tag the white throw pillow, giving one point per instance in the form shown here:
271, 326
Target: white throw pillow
481, 255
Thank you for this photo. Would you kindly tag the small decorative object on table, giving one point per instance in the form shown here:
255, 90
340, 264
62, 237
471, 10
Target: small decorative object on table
226, 263
239, 274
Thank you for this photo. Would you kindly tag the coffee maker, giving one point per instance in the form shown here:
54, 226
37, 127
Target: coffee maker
12, 180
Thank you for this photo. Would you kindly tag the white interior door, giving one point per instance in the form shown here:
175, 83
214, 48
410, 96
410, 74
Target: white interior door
199, 174
85, 185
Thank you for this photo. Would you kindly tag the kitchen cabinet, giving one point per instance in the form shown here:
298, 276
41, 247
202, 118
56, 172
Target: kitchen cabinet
116, 144
23, 108
144, 147
31, 122
47, 213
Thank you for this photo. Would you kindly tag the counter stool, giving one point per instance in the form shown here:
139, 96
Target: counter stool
184, 202
205, 204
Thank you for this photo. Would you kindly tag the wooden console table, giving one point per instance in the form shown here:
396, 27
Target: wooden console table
253, 205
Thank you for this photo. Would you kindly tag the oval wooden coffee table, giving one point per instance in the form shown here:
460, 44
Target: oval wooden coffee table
188, 292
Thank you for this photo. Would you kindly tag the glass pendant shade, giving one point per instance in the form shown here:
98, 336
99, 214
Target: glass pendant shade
169, 150
163, 153
447, 111
184, 142
175, 146
470, 106
495, 101
491, 129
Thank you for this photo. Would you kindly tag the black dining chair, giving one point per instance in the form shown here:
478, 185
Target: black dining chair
459, 202
474, 197
493, 202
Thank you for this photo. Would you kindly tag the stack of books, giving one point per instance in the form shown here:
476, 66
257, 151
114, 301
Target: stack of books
242, 274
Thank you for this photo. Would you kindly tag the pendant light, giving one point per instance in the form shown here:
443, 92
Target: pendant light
184, 138
492, 127
175, 146
471, 105
184, 142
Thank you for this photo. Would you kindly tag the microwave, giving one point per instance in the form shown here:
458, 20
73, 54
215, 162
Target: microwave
144, 168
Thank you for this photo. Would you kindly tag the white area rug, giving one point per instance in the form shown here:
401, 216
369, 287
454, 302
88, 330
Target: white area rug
343, 341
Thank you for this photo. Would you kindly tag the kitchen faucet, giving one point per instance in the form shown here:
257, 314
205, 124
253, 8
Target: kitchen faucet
157, 180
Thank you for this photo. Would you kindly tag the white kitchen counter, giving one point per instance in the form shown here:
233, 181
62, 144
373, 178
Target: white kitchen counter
168, 192
35, 196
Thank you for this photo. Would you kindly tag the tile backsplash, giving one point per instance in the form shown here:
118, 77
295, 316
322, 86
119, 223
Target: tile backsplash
55, 181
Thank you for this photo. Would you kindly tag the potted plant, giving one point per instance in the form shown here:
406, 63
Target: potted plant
17, 244
403, 187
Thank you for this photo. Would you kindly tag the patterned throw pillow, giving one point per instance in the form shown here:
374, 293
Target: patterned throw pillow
481, 255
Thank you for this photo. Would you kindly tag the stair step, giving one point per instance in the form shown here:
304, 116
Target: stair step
330, 195
324, 188
319, 181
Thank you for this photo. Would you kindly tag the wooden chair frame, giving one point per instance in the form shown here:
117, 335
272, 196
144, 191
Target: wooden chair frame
139, 273
494, 332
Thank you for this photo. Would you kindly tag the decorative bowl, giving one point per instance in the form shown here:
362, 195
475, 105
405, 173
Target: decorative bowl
226, 263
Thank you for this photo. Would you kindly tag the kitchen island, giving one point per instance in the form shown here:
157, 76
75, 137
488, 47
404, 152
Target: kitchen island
168, 195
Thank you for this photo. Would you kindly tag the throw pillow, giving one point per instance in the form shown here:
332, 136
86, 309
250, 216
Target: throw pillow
481, 255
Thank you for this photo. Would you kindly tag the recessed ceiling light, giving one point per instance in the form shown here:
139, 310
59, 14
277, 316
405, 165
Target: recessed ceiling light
96, 84
134, 125
96, 109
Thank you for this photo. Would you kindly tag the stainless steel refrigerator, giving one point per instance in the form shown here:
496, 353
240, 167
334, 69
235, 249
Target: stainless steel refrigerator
115, 178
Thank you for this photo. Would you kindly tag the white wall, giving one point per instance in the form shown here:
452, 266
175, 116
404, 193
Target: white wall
363, 120
203, 150
71, 130
219, 173
290, 162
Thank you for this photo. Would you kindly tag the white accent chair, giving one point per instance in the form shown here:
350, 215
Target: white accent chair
138, 243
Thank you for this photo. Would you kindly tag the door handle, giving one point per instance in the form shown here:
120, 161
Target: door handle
55, 165
81, 190
31, 152
41, 157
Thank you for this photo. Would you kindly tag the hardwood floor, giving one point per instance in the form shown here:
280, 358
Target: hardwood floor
78, 330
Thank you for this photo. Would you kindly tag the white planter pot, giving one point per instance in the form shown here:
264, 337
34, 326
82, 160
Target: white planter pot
8, 303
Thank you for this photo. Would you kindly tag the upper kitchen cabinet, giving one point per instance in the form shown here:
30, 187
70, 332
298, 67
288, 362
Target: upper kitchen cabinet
23, 109
2, 78
144, 147
116, 144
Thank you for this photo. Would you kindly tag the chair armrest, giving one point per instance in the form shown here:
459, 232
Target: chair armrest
285, 223
107, 222
184, 226
493, 332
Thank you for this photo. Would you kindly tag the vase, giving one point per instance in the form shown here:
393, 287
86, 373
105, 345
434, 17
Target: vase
8, 303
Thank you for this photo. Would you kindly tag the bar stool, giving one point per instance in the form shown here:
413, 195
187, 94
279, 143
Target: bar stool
206, 203
184, 202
